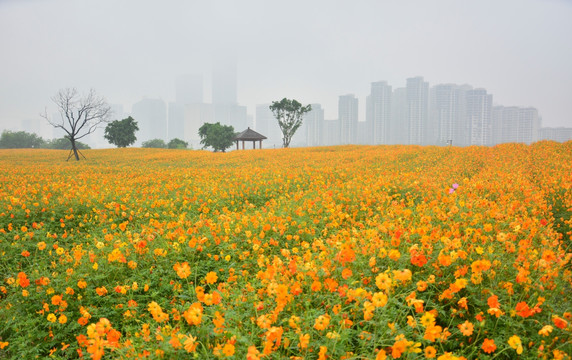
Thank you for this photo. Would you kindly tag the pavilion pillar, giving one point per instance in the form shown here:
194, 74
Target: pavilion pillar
254, 144
242, 144
260, 147
236, 144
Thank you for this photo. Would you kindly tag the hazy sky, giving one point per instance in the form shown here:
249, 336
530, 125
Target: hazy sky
313, 51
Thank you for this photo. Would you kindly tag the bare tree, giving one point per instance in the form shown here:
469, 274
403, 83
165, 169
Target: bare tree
79, 115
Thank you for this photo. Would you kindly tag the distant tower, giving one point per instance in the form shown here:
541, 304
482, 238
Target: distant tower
224, 81
348, 118
267, 125
378, 116
448, 114
399, 129
417, 109
151, 117
479, 117
189, 89
314, 122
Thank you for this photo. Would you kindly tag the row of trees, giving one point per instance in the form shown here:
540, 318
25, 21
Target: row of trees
82, 115
25, 140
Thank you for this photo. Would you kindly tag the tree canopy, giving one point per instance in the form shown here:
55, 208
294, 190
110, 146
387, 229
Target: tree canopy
121, 133
79, 115
154, 143
63, 143
219, 137
20, 140
289, 114
177, 144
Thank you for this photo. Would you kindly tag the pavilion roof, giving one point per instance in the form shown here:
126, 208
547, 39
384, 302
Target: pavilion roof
249, 135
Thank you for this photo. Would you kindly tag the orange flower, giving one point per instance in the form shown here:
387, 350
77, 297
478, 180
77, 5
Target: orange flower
432, 332
304, 340
228, 349
211, 277
489, 346
559, 322
466, 328
322, 322
183, 270
430, 352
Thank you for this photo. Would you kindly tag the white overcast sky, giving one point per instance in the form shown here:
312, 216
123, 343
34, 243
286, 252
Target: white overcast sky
310, 50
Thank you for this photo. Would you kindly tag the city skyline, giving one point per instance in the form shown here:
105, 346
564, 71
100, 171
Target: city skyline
312, 51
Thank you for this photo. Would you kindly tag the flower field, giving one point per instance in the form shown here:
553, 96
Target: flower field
357, 252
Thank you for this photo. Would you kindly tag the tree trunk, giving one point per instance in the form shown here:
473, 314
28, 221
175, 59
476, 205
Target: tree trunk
74, 149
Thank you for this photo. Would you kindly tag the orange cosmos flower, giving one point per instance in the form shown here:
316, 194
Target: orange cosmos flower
183, 270
489, 346
304, 341
430, 352
322, 322
211, 277
559, 322
466, 328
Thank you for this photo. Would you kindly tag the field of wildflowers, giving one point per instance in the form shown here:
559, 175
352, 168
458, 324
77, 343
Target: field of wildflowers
388, 252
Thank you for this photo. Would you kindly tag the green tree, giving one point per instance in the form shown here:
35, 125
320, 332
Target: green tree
63, 143
177, 144
79, 115
121, 133
289, 114
154, 143
20, 140
219, 137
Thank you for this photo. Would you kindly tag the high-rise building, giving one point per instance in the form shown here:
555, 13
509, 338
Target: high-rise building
176, 120
399, 129
189, 89
513, 124
417, 110
267, 125
151, 117
560, 134
224, 81
314, 123
348, 118
378, 113
331, 132
448, 114
195, 116
479, 117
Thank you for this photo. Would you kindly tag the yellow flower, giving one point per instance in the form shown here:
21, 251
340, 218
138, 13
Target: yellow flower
52, 318
62, 319
516, 344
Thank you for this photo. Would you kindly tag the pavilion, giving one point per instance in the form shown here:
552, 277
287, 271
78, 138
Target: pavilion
249, 135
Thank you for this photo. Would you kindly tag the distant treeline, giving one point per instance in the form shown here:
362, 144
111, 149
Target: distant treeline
25, 140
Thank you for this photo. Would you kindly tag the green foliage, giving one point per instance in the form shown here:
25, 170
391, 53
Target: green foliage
154, 143
121, 133
219, 137
64, 143
289, 114
20, 140
177, 144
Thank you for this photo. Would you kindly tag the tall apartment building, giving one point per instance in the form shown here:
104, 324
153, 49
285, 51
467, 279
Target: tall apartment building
314, 123
448, 113
560, 134
479, 117
151, 117
398, 128
267, 125
378, 113
513, 124
224, 80
348, 118
417, 110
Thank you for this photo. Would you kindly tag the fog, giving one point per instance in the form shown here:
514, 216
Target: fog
313, 51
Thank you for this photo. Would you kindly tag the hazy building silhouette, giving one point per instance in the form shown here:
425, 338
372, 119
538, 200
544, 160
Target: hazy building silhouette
479, 117
195, 116
448, 108
417, 109
151, 117
313, 121
267, 125
348, 119
560, 134
515, 125
378, 113
176, 120
399, 129
224, 80
331, 132
189, 89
